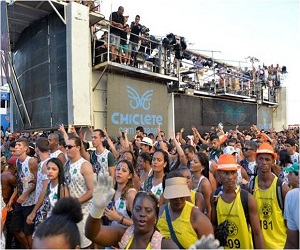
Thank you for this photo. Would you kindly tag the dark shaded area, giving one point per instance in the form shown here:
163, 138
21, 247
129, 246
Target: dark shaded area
40, 65
204, 113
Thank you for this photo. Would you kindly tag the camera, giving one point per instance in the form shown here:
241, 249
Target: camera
144, 29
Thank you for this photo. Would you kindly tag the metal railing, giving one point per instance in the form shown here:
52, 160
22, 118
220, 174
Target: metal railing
150, 54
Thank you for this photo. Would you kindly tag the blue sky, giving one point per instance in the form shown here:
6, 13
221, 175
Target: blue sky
268, 30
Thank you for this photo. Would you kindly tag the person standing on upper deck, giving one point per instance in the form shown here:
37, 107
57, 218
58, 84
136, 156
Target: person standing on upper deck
117, 24
135, 29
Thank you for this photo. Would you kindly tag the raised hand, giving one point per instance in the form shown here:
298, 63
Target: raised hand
172, 135
62, 129
91, 129
120, 133
80, 133
194, 129
102, 194
105, 132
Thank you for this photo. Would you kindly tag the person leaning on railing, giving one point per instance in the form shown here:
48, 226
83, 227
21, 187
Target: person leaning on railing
135, 29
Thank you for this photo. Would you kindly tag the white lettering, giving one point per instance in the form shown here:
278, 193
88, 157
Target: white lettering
136, 119
114, 118
131, 130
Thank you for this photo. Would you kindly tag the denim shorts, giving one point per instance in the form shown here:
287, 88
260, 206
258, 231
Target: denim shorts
133, 47
114, 40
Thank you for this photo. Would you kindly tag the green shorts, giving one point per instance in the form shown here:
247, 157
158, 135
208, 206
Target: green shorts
123, 48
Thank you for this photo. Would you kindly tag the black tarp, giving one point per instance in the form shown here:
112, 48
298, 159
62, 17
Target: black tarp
39, 60
204, 113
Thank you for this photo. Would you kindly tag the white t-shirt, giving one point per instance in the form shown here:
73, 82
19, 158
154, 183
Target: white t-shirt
295, 157
291, 209
157, 190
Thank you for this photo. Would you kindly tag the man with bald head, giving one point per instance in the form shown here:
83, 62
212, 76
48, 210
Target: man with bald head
117, 24
54, 150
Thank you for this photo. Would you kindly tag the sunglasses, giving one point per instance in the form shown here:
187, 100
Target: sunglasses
69, 146
246, 149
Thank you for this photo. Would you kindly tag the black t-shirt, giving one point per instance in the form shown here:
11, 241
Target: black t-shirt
135, 29
118, 19
123, 37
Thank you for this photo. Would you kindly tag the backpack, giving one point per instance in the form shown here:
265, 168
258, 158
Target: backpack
244, 163
244, 199
278, 191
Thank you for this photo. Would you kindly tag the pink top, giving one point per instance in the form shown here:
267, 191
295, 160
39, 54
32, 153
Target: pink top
155, 241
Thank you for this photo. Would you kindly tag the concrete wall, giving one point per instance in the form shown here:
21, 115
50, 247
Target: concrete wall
78, 64
280, 113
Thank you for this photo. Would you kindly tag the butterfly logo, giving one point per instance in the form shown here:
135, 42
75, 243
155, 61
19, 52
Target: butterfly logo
234, 116
136, 101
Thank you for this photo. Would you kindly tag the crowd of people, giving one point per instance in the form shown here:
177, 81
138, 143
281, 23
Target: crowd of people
239, 187
128, 42
131, 44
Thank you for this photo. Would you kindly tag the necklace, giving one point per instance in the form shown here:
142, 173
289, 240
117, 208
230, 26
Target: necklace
194, 179
144, 172
98, 154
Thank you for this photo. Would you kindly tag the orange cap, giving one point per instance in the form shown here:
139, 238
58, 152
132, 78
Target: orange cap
265, 148
227, 163
263, 135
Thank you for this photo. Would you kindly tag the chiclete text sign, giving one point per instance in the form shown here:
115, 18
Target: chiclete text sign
133, 103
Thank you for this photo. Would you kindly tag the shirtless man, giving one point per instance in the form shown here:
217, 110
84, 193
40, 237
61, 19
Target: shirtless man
8, 179
8, 183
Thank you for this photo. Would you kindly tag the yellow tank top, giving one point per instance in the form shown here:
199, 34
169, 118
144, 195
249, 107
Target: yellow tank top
130, 242
239, 233
183, 229
270, 216
193, 197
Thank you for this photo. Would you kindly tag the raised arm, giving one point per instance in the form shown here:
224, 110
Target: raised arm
183, 159
102, 195
180, 134
196, 133
160, 140
61, 129
111, 145
126, 141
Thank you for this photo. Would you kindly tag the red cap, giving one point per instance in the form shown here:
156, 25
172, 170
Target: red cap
12, 160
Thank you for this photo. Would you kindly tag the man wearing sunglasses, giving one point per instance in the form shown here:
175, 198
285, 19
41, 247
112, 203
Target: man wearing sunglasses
79, 179
249, 163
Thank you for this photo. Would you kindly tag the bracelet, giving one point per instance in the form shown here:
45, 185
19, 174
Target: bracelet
121, 221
